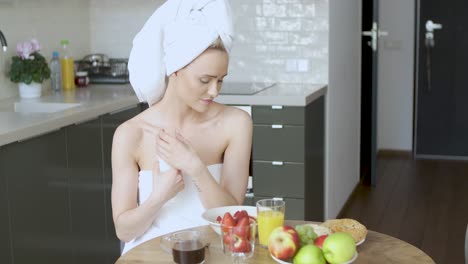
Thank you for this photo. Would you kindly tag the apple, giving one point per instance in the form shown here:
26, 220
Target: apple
339, 247
283, 242
319, 240
309, 254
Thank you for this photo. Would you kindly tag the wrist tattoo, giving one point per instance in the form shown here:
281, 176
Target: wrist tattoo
196, 186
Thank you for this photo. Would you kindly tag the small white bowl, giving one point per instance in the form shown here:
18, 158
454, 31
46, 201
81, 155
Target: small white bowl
210, 215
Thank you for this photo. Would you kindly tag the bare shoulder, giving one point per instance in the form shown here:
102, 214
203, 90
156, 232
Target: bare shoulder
237, 124
127, 136
236, 117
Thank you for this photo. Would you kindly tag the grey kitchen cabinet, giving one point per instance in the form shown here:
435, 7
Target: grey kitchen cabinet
87, 199
249, 201
55, 195
38, 192
5, 245
288, 157
109, 123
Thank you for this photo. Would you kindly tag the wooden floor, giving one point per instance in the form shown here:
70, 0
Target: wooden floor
422, 202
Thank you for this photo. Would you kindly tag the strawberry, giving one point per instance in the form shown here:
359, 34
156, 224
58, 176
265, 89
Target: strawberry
242, 228
240, 245
240, 214
228, 221
218, 219
227, 237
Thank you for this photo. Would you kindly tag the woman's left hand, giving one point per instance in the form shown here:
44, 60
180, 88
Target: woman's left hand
177, 151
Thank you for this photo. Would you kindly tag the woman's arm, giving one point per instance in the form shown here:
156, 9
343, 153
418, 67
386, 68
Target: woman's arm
130, 219
235, 173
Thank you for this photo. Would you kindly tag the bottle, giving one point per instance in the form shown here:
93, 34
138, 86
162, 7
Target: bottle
56, 72
81, 79
68, 67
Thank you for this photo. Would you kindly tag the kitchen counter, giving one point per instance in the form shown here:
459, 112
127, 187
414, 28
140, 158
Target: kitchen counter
94, 101
285, 94
17, 123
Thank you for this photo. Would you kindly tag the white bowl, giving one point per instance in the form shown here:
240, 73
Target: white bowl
210, 215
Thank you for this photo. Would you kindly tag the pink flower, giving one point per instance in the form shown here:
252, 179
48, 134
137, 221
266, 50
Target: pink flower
24, 49
35, 45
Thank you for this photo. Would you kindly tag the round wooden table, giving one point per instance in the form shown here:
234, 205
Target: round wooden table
378, 248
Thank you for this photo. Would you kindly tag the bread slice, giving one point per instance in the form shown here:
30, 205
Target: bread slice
357, 230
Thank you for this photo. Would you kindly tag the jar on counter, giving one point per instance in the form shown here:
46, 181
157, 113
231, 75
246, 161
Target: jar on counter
81, 79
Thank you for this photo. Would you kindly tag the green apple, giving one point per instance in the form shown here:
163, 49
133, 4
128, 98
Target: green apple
309, 254
339, 247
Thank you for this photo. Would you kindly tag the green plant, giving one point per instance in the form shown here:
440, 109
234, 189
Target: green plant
29, 65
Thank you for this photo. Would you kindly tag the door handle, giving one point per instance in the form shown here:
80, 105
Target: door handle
430, 27
430, 43
374, 33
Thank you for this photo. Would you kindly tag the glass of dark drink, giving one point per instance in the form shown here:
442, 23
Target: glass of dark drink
186, 247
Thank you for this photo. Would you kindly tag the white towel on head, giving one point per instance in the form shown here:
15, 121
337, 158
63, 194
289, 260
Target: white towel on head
176, 33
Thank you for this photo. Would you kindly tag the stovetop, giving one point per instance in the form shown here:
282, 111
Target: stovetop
243, 88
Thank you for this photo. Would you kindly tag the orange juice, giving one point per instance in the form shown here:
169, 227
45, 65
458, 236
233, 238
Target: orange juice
68, 73
267, 221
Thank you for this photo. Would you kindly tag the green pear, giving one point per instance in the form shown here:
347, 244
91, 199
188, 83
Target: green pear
309, 254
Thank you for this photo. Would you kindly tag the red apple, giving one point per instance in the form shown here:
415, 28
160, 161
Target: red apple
319, 240
283, 242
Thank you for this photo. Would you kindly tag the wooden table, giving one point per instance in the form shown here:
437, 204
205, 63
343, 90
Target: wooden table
378, 248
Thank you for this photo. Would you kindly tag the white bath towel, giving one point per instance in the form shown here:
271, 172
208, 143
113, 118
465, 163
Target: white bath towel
176, 33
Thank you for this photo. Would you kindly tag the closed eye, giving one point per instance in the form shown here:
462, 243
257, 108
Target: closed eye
204, 80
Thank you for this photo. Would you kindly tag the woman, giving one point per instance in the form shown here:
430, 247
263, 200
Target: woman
185, 153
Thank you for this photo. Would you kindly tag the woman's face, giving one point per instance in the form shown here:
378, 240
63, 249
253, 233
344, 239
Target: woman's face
199, 82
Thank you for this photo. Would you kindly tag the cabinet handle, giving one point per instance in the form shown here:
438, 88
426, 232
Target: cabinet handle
277, 163
276, 126
278, 198
277, 107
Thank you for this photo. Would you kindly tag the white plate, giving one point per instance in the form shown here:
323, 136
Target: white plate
285, 262
360, 242
210, 215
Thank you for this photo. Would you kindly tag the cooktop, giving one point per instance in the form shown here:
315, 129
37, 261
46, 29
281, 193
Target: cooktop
244, 88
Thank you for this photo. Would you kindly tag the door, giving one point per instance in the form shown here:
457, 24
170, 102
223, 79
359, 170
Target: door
441, 125
369, 84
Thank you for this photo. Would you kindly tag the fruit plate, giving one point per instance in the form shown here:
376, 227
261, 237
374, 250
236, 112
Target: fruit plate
361, 241
210, 215
285, 262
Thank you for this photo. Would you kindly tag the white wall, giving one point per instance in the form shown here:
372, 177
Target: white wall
268, 34
115, 23
343, 104
47, 20
395, 76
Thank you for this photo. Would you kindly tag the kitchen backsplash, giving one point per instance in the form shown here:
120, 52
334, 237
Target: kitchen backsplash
276, 40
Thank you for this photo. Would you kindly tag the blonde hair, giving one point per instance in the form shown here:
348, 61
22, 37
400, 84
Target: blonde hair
218, 44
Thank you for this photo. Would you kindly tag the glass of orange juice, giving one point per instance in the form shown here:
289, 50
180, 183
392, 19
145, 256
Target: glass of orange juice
270, 214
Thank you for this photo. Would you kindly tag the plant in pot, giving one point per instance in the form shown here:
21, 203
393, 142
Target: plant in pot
29, 69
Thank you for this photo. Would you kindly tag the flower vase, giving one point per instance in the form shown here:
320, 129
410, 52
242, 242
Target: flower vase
32, 90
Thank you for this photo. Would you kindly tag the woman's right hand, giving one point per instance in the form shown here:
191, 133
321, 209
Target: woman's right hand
166, 184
